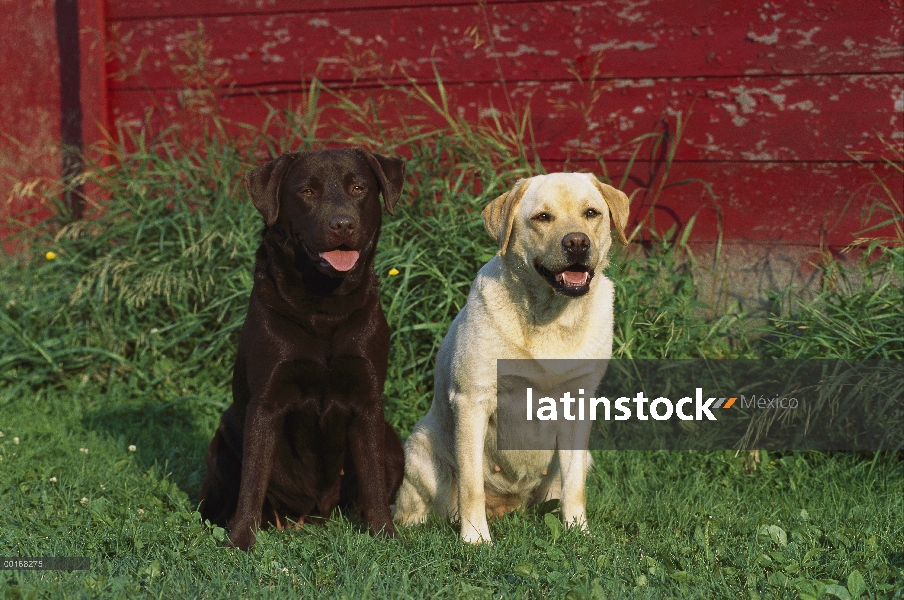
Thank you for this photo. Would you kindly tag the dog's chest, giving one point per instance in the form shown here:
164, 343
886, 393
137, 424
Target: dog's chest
515, 472
317, 427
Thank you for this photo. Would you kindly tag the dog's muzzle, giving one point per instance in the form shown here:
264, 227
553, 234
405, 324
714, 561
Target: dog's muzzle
572, 281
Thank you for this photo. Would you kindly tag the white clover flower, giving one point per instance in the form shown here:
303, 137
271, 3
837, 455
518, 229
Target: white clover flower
53, 479
84, 501
15, 440
132, 448
83, 450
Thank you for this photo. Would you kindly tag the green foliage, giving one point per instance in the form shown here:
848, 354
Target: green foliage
860, 315
657, 310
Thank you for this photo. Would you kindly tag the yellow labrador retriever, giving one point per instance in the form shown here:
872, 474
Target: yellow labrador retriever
543, 296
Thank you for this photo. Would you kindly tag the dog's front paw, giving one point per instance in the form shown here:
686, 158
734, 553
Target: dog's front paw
410, 513
241, 537
474, 535
387, 530
577, 522
382, 527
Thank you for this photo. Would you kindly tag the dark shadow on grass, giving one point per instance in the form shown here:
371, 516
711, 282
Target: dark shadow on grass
173, 436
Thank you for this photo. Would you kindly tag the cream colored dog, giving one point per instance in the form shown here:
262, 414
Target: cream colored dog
542, 296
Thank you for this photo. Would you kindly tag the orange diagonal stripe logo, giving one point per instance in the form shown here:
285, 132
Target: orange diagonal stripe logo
729, 403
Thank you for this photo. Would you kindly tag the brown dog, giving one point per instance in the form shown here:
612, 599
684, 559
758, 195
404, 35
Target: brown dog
305, 432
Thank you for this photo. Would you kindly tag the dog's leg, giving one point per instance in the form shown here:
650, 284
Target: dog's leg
470, 430
261, 431
220, 492
425, 479
395, 461
367, 434
550, 487
574, 465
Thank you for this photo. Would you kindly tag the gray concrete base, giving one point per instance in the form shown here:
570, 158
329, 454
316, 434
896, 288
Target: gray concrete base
742, 274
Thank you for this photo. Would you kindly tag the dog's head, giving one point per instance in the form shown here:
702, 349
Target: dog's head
558, 224
326, 205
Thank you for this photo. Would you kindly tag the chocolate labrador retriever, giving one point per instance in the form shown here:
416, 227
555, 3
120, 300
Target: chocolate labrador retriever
305, 432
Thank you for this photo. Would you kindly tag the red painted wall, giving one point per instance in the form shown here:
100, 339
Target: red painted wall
779, 94
30, 88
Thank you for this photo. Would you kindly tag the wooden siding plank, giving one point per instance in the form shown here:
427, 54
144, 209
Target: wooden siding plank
30, 120
142, 9
520, 41
756, 119
30, 123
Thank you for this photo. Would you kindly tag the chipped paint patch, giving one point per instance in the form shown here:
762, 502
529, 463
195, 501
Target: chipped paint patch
522, 49
769, 40
804, 105
744, 98
635, 83
759, 153
806, 36
630, 13
619, 45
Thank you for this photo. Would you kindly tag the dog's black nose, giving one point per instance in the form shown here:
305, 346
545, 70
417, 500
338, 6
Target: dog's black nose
342, 224
576, 244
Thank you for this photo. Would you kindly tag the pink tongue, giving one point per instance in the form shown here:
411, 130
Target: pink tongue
341, 260
575, 277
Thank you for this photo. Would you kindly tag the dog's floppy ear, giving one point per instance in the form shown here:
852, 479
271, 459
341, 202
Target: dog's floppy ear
390, 172
499, 215
618, 205
264, 183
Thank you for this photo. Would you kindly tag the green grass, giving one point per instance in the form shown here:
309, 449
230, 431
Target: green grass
128, 335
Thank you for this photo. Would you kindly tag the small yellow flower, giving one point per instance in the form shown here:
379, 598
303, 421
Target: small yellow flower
393, 272
50, 255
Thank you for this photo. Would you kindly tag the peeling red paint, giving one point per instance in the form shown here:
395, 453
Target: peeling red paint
765, 119
521, 41
779, 94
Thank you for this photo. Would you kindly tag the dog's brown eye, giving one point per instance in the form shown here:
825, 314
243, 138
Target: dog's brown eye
357, 189
307, 192
591, 213
542, 217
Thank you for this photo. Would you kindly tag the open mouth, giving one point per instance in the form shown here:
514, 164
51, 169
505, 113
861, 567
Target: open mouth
573, 280
341, 259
